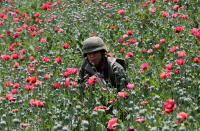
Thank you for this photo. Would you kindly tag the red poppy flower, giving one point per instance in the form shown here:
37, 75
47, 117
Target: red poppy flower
34, 34
8, 83
165, 14
122, 50
176, 71
45, 59
33, 79
14, 56
175, 15
14, 91
28, 87
196, 60
100, 108
162, 40
10, 98
58, 59
37, 14
169, 106
67, 80
39, 103
181, 54
46, 6
5, 57
72, 70
129, 55
43, 40
28, 79
121, 12
145, 66
22, 51
157, 46
130, 86
122, 94
130, 32
65, 46
169, 66
120, 41
112, 124
164, 75
178, 29
194, 31
180, 61
16, 85
66, 74
150, 50
36, 103
46, 76
197, 35
183, 116
94, 35
73, 84
24, 125
172, 50
31, 68
112, 27
153, 10
132, 41
92, 80
19, 29
140, 120
16, 65
144, 103
56, 85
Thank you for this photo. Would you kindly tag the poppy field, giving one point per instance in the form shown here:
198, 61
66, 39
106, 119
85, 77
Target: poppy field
41, 53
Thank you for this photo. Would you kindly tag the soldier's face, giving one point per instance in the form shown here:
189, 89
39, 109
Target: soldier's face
95, 57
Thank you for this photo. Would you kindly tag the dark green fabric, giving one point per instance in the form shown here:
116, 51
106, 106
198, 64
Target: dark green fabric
115, 74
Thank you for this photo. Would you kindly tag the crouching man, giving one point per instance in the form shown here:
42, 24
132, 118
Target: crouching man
97, 63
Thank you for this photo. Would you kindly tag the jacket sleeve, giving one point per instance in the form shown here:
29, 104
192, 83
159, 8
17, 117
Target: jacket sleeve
119, 77
82, 74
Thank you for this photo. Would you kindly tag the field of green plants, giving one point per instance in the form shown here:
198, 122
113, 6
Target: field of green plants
41, 53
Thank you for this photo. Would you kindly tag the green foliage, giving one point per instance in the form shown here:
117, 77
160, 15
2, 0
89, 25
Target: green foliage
72, 107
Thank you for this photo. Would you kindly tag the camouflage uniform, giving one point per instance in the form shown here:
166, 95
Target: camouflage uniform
111, 71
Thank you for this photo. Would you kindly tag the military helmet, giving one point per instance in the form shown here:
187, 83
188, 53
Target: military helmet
93, 44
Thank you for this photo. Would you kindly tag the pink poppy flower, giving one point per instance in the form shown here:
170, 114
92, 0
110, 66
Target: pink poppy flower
181, 54
165, 14
112, 124
43, 40
121, 12
130, 86
180, 61
122, 94
129, 55
183, 116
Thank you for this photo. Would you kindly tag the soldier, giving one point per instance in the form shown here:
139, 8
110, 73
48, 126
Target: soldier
96, 63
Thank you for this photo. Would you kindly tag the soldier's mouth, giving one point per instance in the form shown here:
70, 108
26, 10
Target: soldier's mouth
93, 62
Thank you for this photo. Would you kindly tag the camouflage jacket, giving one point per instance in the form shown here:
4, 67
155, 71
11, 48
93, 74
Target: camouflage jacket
111, 71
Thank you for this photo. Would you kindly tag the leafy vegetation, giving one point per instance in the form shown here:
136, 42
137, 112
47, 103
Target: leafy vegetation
40, 53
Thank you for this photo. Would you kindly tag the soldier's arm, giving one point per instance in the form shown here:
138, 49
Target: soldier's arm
84, 73
80, 76
119, 76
